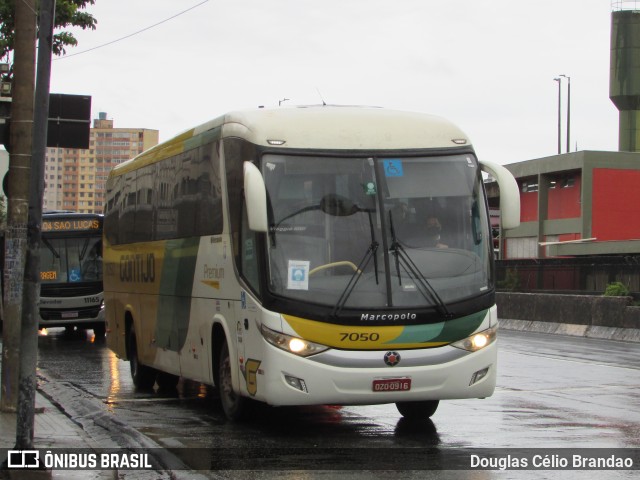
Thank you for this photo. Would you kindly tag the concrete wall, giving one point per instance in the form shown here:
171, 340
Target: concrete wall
615, 312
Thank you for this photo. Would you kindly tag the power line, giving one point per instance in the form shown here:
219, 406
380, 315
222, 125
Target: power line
132, 34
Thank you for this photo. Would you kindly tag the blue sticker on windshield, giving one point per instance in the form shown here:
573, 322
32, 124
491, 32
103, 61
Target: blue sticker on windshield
393, 168
74, 275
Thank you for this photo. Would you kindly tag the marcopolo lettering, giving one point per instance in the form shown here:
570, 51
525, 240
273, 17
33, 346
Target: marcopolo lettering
138, 268
372, 317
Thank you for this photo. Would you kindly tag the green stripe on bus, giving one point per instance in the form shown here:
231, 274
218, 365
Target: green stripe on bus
176, 284
445, 332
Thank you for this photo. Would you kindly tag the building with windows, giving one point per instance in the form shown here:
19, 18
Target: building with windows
586, 203
580, 203
75, 178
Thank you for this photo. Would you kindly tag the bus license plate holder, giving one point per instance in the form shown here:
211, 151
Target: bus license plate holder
401, 384
69, 315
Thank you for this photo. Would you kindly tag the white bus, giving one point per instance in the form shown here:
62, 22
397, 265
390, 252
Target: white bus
291, 256
71, 271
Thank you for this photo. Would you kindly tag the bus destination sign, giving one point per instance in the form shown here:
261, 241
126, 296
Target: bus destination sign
76, 225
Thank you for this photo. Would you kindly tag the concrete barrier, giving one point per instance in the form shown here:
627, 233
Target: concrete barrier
582, 315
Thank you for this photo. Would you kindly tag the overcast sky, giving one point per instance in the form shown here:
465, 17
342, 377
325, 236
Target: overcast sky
487, 65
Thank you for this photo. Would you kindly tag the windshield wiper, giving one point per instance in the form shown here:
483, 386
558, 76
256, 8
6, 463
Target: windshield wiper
371, 252
351, 284
401, 256
51, 249
84, 250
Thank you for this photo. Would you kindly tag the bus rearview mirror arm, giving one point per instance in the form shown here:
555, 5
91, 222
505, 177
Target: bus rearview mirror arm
255, 196
509, 194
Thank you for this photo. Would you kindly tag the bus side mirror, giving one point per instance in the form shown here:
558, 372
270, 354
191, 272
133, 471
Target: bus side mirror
255, 196
509, 194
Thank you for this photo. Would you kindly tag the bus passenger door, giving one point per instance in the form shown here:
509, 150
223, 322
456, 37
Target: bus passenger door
247, 335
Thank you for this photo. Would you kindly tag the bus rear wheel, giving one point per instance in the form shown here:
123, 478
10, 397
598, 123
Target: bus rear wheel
99, 331
418, 410
143, 377
233, 404
167, 382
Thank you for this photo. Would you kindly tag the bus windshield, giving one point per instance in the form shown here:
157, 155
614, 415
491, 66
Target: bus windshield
71, 260
377, 232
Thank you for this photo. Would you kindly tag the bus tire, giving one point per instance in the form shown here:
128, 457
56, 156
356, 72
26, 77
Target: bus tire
233, 404
143, 377
167, 382
418, 410
99, 331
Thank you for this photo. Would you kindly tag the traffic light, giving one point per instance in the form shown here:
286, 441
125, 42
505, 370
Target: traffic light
5, 121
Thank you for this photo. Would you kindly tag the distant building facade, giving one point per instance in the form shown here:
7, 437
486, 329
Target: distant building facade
75, 178
575, 204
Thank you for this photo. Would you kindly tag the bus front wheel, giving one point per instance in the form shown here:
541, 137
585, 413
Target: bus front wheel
418, 410
143, 377
232, 403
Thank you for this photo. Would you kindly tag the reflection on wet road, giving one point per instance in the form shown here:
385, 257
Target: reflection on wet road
553, 391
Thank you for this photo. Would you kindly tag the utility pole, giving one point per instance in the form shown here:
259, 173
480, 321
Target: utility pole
568, 111
559, 80
29, 336
18, 196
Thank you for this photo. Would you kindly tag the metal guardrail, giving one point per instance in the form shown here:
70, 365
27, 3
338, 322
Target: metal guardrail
579, 275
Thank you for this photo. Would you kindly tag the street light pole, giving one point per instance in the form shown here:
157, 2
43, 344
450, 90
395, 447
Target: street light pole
568, 110
559, 80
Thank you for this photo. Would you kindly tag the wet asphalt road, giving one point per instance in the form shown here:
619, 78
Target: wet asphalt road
553, 392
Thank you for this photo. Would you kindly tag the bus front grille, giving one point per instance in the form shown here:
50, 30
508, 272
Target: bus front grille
69, 313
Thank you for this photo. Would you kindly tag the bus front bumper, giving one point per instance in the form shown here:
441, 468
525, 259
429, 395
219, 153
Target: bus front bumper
445, 373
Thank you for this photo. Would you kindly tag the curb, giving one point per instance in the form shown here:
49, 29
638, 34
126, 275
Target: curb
104, 430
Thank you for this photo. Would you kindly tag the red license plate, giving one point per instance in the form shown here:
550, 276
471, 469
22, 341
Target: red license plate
391, 385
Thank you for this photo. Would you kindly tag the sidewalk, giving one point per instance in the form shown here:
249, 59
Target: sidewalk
52, 429
73, 420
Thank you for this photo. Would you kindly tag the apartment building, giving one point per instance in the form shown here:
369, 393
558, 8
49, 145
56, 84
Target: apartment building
75, 178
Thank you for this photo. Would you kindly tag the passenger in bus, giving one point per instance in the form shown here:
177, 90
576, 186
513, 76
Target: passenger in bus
433, 231
92, 265
400, 214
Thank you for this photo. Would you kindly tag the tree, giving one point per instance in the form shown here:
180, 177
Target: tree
68, 13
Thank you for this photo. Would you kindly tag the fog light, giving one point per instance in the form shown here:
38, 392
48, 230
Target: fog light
296, 383
479, 375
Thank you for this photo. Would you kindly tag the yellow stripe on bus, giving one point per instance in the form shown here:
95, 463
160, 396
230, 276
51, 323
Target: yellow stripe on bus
352, 337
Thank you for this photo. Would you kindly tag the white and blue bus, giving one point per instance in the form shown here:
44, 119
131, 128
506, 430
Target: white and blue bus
71, 271
308, 255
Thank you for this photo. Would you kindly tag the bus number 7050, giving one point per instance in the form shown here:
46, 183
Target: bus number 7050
359, 337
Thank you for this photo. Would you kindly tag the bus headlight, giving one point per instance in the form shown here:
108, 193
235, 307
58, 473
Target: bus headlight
296, 345
478, 340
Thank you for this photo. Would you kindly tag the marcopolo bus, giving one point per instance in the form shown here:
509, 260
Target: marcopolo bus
308, 255
71, 271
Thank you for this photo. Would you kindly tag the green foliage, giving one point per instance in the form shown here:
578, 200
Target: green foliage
511, 281
616, 289
68, 13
